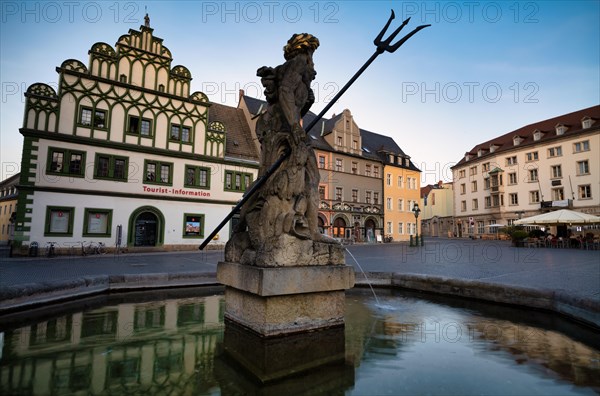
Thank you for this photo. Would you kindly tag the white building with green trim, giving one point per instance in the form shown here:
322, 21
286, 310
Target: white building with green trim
124, 143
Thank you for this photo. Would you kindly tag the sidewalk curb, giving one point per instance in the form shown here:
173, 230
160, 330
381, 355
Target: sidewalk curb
580, 309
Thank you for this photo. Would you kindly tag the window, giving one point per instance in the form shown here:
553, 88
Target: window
400, 181
400, 204
389, 203
376, 198
376, 171
237, 181
355, 168
474, 186
354, 195
322, 192
197, 176
558, 194
339, 193
533, 175
388, 179
66, 162
534, 196
89, 117
59, 221
485, 167
123, 78
512, 178
180, 133
533, 156
339, 165
389, 227
556, 171
585, 191
368, 197
340, 141
583, 168
486, 183
463, 206
581, 146
511, 160
513, 199
472, 171
321, 162
97, 222
463, 188
139, 126
110, 167
156, 172
555, 151
400, 228
480, 227
193, 225
355, 145
475, 204
161, 88
488, 202
462, 173
368, 170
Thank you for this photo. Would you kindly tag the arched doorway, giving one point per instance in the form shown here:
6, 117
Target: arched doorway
321, 225
339, 228
370, 230
146, 227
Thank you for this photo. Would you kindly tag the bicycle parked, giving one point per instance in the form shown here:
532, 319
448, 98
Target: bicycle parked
94, 248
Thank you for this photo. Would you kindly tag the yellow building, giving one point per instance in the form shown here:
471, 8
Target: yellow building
401, 190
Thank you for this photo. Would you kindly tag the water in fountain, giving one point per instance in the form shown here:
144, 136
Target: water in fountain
378, 303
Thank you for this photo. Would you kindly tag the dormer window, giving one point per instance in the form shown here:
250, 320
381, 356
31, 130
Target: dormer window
560, 129
493, 148
161, 88
537, 135
586, 122
123, 78
467, 156
391, 157
517, 140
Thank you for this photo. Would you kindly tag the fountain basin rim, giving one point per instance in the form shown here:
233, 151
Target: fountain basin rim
32, 295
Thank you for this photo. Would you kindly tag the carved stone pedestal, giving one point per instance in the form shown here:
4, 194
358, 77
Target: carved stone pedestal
276, 301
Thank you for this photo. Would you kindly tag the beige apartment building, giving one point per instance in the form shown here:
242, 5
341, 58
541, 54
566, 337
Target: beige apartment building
8, 207
544, 166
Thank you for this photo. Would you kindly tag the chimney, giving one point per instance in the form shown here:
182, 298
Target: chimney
242, 93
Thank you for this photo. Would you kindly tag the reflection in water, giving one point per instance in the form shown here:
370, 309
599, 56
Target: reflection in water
423, 345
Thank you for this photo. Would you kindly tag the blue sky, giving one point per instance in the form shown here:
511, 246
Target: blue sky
482, 69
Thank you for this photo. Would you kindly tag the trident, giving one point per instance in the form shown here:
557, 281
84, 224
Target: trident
382, 46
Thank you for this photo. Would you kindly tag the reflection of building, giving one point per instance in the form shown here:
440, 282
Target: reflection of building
159, 347
437, 209
547, 165
123, 142
8, 207
352, 163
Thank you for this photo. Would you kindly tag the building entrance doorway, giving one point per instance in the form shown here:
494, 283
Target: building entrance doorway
145, 229
370, 230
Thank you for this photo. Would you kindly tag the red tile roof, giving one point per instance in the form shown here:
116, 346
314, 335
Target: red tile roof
547, 127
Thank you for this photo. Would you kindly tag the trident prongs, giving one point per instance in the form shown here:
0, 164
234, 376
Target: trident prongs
386, 45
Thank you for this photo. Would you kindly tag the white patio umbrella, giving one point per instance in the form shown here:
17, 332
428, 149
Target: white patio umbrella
562, 216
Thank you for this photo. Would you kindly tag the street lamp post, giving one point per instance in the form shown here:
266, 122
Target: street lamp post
416, 211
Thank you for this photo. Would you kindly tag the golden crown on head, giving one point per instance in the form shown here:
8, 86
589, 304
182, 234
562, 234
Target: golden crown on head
300, 43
